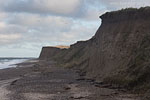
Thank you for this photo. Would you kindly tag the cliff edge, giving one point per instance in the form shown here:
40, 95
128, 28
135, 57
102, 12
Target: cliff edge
118, 54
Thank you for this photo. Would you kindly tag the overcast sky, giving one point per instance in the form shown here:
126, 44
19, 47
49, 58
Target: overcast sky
27, 25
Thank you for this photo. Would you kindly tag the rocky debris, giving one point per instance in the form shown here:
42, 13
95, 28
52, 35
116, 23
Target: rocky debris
13, 82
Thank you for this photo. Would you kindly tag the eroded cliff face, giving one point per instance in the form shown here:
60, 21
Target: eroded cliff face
123, 48
48, 53
119, 53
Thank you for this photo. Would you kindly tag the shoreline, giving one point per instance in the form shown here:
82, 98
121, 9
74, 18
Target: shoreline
13, 62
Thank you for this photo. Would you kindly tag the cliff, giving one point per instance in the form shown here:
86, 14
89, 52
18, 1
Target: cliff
119, 53
48, 53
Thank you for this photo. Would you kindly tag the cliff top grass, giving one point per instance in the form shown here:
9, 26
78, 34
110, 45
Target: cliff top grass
125, 11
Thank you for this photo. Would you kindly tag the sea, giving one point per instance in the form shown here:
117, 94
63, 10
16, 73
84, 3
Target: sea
10, 62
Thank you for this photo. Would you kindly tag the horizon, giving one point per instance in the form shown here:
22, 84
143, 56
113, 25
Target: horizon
28, 25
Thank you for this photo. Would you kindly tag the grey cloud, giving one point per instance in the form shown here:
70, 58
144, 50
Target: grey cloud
53, 7
31, 24
41, 23
43, 30
67, 8
119, 4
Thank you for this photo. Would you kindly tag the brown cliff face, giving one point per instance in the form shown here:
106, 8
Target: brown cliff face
51, 51
48, 52
123, 47
119, 53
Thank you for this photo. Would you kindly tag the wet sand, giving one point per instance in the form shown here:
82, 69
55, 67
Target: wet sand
42, 80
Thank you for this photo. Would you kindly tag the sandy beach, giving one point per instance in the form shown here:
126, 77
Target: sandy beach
42, 80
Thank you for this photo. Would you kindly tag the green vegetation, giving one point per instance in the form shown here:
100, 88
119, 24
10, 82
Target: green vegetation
137, 75
128, 9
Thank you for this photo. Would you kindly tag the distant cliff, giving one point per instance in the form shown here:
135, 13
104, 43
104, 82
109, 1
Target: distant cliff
119, 53
48, 53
